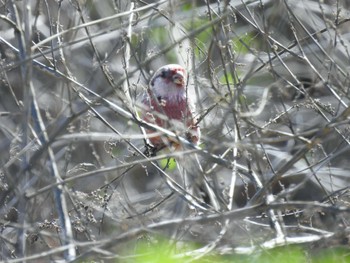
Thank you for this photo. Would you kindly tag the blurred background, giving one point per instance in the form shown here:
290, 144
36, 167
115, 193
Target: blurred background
270, 81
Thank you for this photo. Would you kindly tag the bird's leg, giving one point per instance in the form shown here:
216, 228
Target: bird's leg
150, 150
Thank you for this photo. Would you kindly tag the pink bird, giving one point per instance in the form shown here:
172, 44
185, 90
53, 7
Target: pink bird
167, 105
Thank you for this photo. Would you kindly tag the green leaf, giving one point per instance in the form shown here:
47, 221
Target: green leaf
187, 7
168, 164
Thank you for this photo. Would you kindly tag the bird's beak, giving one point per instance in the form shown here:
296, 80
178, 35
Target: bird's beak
178, 78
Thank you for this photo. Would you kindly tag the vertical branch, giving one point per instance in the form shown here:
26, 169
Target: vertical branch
60, 199
23, 38
234, 171
127, 54
126, 57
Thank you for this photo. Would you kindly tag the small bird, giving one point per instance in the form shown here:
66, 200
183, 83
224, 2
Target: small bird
166, 104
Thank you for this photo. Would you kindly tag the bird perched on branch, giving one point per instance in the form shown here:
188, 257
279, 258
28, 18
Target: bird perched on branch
166, 104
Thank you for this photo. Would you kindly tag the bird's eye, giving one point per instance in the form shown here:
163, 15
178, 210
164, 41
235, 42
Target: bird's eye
163, 74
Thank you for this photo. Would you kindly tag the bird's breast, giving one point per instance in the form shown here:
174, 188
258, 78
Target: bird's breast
174, 108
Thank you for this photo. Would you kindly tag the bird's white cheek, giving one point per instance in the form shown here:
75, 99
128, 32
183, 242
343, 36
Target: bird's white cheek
169, 90
159, 88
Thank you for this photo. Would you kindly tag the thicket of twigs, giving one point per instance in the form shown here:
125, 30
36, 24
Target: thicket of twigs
271, 84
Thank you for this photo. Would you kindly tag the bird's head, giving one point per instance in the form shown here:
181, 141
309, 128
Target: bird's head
169, 80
